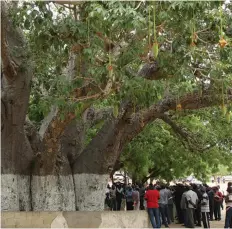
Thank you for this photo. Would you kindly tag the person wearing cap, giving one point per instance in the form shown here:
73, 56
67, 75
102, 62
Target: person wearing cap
205, 207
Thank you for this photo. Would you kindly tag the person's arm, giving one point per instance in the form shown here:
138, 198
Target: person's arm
145, 197
227, 198
190, 201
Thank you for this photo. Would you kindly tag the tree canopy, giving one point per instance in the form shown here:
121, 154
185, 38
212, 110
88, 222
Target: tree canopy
170, 60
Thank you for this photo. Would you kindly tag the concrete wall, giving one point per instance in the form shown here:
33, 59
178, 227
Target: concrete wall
78, 219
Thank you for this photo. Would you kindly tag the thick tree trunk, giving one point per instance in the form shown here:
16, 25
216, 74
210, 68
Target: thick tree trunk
92, 169
52, 182
16, 153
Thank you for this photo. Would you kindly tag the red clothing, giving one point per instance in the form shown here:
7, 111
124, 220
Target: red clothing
152, 197
218, 196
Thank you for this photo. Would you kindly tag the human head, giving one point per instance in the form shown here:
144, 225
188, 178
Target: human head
203, 189
151, 187
194, 186
229, 190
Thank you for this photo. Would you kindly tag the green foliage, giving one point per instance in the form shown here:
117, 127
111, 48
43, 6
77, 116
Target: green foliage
158, 147
53, 30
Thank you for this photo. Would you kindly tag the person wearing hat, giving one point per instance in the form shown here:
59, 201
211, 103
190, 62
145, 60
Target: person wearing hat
205, 207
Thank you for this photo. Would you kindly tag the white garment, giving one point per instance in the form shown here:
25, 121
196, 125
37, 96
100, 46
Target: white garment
191, 195
229, 200
205, 200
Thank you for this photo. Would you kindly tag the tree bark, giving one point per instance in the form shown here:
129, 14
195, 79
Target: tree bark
52, 182
16, 152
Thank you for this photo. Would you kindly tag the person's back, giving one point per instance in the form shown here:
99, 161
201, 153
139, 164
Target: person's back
152, 197
191, 196
164, 196
129, 197
183, 203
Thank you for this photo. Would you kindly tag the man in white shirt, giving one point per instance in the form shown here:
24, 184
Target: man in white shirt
191, 200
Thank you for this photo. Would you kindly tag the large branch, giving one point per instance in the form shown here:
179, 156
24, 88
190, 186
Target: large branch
136, 122
191, 101
70, 2
9, 63
188, 139
177, 129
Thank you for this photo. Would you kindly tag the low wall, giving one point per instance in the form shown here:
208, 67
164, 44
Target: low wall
78, 219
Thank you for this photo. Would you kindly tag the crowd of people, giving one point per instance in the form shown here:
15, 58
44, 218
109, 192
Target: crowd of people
191, 205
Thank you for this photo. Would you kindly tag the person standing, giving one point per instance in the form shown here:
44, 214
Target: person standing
205, 208
119, 196
217, 204
152, 197
136, 199
183, 206
129, 199
228, 201
113, 198
170, 206
180, 189
211, 202
163, 205
192, 200
141, 196
197, 217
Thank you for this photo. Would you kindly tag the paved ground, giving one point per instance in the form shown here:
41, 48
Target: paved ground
213, 224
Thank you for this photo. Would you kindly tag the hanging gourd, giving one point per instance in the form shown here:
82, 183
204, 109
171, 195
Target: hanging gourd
88, 31
222, 41
149, 26
110, 67
223, 106
228, 116
155, 46
178, 107
194, 34
178, 104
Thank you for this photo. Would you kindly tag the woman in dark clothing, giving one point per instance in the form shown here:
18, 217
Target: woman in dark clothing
119, 196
